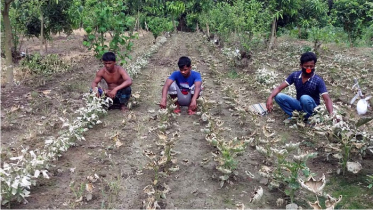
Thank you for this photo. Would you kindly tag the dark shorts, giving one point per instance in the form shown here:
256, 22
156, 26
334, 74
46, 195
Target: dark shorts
122, 96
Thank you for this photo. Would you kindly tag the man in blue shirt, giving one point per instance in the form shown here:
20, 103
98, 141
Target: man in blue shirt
309, 87
185, 85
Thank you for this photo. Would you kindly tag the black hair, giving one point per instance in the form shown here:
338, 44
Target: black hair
308, 56
184, 61
108, 56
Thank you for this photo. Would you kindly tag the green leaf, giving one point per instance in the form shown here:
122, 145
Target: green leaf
87, 44
363, 121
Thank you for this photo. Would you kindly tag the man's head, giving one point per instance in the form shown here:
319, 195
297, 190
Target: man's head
307, 63
108, 59
185, 66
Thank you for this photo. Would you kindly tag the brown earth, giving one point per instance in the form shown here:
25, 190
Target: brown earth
122, 170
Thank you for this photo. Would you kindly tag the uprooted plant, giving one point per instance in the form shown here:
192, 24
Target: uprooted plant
21, 172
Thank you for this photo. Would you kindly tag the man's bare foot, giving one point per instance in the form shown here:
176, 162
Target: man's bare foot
177, 110
191, 112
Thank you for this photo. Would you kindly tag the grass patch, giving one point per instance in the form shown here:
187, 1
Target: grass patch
353, 189
233, 74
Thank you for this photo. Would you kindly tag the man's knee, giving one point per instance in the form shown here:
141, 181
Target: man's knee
280, 97
306, 99
172, 90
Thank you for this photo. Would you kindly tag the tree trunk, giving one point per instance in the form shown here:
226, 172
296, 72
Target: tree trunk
197, 28
273, 34
8, 43
173, 23
208, 30
138, 20
41, 33
299, 32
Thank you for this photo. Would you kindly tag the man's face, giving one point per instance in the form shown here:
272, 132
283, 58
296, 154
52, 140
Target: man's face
109, 65
185, 71
308, 65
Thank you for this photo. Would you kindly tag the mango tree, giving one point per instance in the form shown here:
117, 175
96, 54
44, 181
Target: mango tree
351, 15
108, 18
279, 8
175, 8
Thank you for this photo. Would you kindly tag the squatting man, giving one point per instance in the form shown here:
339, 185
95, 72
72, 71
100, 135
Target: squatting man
185, 84
118, 81
309, 87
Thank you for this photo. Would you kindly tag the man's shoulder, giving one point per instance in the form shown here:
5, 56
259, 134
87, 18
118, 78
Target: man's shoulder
101, 71
318, 77
295, 74
195, 72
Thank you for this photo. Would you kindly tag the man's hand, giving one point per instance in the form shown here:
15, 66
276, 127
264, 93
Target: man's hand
111, 93
163, 103
269, 104
193, 105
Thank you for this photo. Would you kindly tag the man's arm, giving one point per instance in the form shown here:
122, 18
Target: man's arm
127, 80
328, 103
197, 90
97, 79
166, 85
273, 94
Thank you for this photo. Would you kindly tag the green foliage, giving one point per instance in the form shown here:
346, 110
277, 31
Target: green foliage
245, 19
158, 25
44, 65
110, 19
350, 15
56, 17
370, 181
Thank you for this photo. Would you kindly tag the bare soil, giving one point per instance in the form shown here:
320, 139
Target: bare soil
28, 116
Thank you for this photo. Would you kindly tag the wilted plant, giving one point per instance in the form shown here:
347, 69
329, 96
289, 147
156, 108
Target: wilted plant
350, 140
288, 167
18, 175
228, 150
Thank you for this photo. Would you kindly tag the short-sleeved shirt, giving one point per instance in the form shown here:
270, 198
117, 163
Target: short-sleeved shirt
314, 86
185, 82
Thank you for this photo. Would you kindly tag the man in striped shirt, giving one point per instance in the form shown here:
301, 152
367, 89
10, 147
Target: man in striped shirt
309, 87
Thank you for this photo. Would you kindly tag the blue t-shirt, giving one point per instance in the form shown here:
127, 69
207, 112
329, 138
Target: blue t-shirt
185, 82
314, 86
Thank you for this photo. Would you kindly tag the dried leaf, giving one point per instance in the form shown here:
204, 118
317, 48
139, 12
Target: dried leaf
118, 143
354, 167
79, 199
89, 196
331, 202
46, 92
313, 185
256, 195
149, 190
89, 187
315, 206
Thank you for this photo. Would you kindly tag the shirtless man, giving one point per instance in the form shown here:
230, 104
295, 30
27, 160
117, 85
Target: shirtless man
117, 79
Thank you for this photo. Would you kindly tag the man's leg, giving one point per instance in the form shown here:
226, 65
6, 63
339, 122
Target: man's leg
308, 105
287, 103
172, 91
123, 95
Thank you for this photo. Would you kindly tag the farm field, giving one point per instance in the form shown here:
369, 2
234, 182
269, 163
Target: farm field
116, 159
